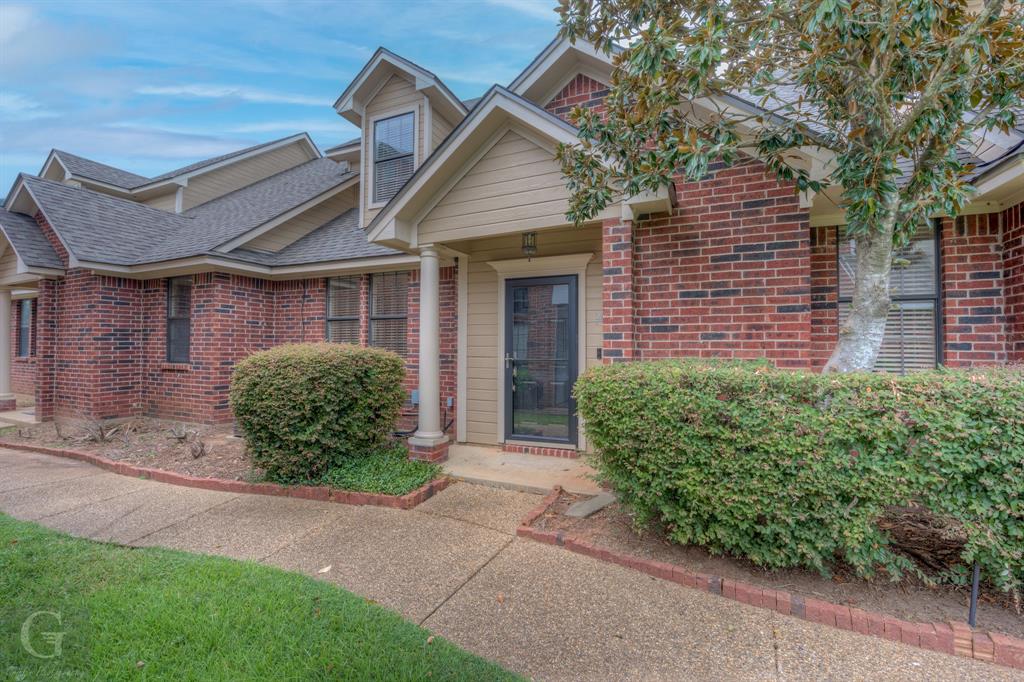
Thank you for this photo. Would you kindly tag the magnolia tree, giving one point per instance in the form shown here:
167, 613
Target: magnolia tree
885, 90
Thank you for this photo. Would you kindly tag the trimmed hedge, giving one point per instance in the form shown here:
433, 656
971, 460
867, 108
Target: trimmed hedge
307, 408
794, 469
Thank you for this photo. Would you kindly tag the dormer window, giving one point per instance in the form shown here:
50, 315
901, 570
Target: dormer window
393, 155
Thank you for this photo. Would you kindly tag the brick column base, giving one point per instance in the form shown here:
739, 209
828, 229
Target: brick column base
432, 453
7, 405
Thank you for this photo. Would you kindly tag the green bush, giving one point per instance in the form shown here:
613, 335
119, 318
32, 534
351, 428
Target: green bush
795, 469
307, 408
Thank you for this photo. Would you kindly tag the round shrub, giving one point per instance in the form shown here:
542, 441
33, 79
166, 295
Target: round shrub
795, 469
306, 408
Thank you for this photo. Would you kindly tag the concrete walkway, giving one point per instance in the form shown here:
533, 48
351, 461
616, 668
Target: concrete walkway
454, 565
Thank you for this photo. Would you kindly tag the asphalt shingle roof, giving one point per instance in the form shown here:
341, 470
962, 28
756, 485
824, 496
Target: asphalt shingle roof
341, 238
28, 240
78, 165
95, 170
98, 227
105, 229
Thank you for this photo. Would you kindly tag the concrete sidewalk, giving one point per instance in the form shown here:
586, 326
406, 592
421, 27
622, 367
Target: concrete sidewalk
454, 565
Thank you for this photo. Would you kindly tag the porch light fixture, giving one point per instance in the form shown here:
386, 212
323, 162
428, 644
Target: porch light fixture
529, 244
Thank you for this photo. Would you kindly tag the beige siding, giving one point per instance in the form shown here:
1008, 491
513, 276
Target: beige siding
515, 186
398, 94
439, 129
219, 182
304, 223
484, 346
164, 202
8, 263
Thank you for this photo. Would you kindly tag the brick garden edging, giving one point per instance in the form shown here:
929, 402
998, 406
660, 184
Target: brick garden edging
953, 637
306, 492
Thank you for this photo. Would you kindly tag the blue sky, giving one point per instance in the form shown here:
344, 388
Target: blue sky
151, 86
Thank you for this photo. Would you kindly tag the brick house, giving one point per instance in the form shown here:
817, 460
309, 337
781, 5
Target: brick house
440, 233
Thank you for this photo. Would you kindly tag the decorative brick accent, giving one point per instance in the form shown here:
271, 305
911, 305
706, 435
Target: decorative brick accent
949, 638
547, 451
727, 273
434, 453
974, 324
308, 492
581, 91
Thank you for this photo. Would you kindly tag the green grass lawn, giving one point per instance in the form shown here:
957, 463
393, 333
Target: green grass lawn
160, 614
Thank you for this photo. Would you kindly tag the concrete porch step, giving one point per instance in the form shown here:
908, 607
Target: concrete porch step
514, 471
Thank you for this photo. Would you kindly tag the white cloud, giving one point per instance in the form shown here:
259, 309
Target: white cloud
538, 9
201, 91
14, 20
17, 107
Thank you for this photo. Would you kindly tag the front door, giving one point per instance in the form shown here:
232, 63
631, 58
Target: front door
541, 320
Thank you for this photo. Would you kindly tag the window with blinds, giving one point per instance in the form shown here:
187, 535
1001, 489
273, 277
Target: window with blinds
179, 318
24, 328
911, 329
388, 310
393, 140
343, 309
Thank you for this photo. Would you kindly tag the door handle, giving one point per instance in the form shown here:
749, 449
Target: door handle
510, 359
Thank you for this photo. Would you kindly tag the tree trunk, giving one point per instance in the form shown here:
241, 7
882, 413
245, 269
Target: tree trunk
860, 337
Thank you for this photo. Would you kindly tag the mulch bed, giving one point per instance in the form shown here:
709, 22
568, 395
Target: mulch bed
155, 443
612, 528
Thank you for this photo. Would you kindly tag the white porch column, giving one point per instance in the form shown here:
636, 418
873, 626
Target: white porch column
429, 434
5, 350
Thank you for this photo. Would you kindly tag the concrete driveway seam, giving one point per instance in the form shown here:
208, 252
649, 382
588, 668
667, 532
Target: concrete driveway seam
468, 579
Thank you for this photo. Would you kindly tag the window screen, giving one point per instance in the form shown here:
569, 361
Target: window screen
179, 312
393, 140
911, 329
343, 309
24, 328
388, 310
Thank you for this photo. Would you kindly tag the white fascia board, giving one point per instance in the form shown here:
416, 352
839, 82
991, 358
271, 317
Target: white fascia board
213, 263
285, 217
50, 158
1014, 170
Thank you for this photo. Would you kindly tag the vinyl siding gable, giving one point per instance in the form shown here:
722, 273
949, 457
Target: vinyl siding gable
516, 185
217, 183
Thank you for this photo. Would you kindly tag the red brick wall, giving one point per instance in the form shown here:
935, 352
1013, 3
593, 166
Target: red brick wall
1013, 280
974, 331
618, 314
824, 294
727, 274
23, 369
581, 91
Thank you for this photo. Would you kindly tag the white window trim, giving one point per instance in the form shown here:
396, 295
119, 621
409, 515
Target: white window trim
546, 266
371, 127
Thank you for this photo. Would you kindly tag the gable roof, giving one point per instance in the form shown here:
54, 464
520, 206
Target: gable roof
427, 178
131, 182
557, 64
100, 228
340, 238
94, 170
28, 241
382, 65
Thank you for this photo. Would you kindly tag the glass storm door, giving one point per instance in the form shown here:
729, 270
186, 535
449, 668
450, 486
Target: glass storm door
541, 320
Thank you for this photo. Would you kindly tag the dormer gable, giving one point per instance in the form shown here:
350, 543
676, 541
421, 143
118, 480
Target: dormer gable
404, 112
384, 64
557, 67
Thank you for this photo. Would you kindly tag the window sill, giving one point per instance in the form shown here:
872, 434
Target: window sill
176, 367
25, 359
